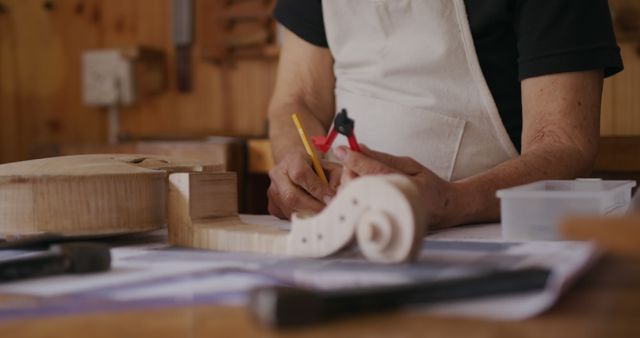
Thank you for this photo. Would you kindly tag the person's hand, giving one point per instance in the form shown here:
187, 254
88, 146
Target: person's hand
436, 192
296, 187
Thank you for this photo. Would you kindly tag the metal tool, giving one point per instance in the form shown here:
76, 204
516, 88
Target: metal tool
342, 124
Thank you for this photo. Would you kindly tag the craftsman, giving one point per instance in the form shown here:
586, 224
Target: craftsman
465, 97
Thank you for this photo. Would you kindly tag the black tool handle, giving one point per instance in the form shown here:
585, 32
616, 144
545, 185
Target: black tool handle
78, 257
285, 307
38, 265
343, 124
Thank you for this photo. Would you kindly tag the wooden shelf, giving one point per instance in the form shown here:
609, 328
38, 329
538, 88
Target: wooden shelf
229, 30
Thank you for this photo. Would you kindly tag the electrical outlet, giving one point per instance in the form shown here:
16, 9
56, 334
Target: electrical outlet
107, 78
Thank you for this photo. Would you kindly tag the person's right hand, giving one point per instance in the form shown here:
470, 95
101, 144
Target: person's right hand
296, 187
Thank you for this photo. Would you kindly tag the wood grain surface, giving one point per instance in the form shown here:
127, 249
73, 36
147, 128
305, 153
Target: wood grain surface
87, 195
621, 102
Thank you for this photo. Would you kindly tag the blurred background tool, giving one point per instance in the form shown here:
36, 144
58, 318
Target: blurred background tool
80, 257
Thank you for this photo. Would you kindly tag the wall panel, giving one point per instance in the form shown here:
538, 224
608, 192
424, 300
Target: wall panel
40, 78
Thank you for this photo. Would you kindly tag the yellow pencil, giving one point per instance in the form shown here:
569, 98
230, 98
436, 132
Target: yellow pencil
310, 150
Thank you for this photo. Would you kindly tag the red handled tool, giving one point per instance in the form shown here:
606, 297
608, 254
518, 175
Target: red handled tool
342, 124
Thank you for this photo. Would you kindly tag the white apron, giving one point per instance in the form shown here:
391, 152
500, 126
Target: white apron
408, 73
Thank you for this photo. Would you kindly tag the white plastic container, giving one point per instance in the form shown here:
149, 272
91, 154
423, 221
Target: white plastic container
533, 211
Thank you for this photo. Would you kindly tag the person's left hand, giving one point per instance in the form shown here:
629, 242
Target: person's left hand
436, 192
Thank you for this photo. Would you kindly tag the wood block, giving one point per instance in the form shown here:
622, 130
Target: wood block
380, 213
617, 235
260, 157
227, 151
87, 195
203, 214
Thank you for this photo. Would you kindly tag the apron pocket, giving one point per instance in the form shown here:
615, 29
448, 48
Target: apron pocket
430, 138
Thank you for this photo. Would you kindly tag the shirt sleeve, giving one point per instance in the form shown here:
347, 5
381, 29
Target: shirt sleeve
303, 18
556, 36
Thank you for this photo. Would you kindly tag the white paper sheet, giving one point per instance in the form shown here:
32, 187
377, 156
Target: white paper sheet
155, 274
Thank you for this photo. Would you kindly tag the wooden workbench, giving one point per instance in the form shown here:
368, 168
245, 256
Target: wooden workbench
606, 303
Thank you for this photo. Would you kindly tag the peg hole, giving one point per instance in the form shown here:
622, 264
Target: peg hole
320, 237
354, 201
342, 218
304, 240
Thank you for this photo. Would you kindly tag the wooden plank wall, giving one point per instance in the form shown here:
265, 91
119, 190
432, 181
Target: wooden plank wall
621, 100
40, 77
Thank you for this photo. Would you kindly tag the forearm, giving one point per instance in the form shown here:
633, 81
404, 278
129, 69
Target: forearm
474, 199
304, 86
561, 114
283, 133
